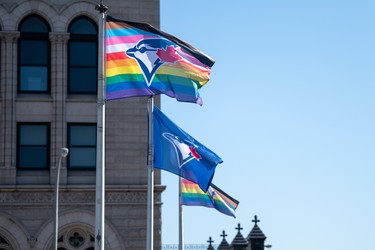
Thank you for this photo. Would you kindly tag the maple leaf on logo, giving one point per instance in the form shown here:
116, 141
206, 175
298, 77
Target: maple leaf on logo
168, 55
195, 153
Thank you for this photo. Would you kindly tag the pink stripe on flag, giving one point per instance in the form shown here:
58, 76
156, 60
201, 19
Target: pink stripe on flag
190, 58
125, 39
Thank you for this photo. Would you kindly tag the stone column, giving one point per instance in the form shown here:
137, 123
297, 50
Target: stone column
58, 93
8, 91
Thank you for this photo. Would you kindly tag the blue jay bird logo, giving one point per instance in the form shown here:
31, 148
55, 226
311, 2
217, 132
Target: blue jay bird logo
151, 54
185, 151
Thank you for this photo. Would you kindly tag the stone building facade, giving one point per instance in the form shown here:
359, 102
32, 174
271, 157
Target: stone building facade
48, 100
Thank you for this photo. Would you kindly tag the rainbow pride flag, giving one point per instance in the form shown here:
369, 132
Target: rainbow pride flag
144, 61
192, 195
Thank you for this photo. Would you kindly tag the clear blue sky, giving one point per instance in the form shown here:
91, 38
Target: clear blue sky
290, 108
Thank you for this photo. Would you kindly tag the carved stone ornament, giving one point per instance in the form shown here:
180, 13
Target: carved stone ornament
9, 36
32, 241
59, 37
73, 196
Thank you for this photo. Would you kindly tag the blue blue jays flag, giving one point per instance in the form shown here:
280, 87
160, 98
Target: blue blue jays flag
179, 153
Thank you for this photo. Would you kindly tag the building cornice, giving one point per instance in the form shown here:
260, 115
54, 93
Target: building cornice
76, 195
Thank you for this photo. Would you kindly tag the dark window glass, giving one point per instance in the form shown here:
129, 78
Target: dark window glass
33, 78
84, 77
83, 56
33, 146
34, 24
82, 146
34, 52
83, 26
33, 55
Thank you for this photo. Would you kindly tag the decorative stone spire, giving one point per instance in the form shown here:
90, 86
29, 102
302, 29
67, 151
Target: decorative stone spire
256, 237
224, 245
239, 242
210, 241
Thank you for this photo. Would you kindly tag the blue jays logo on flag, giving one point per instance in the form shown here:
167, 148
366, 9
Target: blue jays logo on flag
179, 153
144, 61
184, 151
151, 54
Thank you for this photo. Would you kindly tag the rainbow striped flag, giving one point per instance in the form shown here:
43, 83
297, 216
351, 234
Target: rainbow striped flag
144, 61
192, 195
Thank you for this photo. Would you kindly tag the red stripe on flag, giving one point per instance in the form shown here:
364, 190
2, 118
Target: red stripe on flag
116, 56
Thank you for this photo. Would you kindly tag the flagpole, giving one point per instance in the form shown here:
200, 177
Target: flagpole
180, 219
150, 184
100, 140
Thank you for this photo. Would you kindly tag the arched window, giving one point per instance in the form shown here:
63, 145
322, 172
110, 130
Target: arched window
33, 55
83, 56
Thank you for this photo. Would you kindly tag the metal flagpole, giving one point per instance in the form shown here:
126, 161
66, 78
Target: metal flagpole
180, 219
150, 184
100, 141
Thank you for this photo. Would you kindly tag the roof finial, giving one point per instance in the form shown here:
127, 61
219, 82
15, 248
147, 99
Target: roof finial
223, 235
256, 220
210, 241
239, 228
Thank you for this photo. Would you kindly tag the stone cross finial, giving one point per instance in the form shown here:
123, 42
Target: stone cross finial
239, 228
210, 241
255, 220
223, 235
